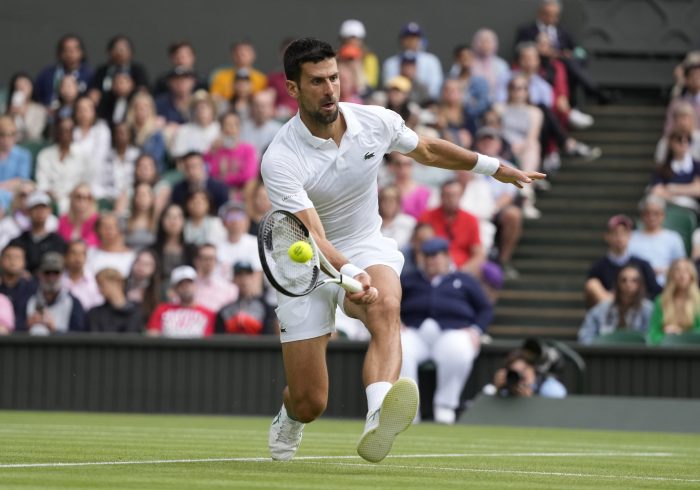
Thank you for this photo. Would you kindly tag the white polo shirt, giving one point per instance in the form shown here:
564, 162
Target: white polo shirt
302, 171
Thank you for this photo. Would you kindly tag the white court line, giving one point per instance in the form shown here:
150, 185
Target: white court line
325, 458
524, 472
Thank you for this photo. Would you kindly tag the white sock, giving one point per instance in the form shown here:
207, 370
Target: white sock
375, 394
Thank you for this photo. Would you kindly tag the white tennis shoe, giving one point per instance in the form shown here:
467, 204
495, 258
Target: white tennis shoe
396, 414
285, 436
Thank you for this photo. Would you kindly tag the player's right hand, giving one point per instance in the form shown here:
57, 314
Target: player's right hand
368, 295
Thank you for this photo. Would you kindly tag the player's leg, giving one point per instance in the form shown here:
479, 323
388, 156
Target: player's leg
454, 354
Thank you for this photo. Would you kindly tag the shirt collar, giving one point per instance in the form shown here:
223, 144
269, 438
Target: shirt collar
353, 126
684, 166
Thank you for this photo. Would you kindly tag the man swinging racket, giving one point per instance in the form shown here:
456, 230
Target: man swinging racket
322, 166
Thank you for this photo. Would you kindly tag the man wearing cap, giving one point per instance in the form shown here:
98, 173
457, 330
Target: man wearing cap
239, 245
352, 33
174, 105
398, 91
445, 312
603, 273
242, 56
429, 69
418, 91
211, 290
182, 318
37, 240
250, 314
53, 309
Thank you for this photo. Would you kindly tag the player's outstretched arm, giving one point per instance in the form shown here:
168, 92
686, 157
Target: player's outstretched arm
437, 152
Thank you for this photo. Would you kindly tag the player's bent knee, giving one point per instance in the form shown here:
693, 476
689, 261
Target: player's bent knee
385, 306
309, 407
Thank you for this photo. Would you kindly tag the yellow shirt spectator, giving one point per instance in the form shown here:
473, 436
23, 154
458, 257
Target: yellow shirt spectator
222, 83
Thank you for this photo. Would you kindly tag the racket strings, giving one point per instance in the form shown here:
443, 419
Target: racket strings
279, 233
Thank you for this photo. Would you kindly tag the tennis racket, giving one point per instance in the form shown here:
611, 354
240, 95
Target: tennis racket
278, 231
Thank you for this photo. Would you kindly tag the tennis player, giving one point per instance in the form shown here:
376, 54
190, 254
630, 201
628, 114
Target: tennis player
322, 166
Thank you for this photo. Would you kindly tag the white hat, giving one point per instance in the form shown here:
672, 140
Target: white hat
38, 198
352, 28
182, 273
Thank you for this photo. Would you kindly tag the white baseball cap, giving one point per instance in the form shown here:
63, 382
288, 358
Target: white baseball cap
352, 28
182, 273
38, 198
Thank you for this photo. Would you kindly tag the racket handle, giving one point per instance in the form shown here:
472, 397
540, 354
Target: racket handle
350, 284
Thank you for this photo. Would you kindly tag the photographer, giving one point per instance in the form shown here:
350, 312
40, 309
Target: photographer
528, 372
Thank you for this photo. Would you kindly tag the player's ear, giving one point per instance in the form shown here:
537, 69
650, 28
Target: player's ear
292, 89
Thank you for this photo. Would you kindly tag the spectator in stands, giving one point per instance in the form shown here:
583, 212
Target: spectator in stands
520, 378
459, 227
145, 172
521, 123
285, 105
70, 55
677, 308
79, 280
29, 117
231, 161
180, 53
446, 313
398, 91
201, 226
419, 93
143, 121
141, 223
428, 65
174, 105
242, 56
352, 33
120, 51
64, 105
261, 127
414, 197
170, 244
239, 245
564, 49
112, 251
249, 314
114, 104
211, 290
79, 222
38, 240
196, 178
17, 219
350, 77
677, 180
413, 257
202, 130
242, 101
629, 308
395, 224
15, 162
259, 205
15, 283
454, 121
53, 309
143, 286
117, 314
7, 316
654, 243
603, 273
476, 89
489, 65
184, 318
690, 94
62, 166
683, 119
117, 180
91, 135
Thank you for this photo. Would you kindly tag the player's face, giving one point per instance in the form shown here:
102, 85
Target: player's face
318, 90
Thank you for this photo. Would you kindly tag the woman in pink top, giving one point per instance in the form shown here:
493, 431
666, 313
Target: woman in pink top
79, 222
414, 197
231, 161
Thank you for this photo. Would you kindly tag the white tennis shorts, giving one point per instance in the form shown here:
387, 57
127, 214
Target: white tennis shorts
313, 315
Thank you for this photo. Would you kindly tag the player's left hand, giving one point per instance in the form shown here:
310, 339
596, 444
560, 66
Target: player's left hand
368, 295
511, 175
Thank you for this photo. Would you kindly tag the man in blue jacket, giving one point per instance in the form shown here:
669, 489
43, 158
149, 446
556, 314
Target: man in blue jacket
445, 313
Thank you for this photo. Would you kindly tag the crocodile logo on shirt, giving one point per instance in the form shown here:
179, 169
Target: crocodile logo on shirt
369, 155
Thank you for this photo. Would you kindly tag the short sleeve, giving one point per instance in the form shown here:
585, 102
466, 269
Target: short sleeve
284, 188
403, 139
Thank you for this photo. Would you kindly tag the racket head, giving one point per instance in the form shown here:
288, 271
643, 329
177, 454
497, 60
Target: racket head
278, 230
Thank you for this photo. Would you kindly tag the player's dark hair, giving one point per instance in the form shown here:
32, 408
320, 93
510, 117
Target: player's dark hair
305, 50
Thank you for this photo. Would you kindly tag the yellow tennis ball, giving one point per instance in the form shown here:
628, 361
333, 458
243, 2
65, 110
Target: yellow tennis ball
300, 252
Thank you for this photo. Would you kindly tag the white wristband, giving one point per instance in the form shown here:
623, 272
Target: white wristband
351, 270
486, 165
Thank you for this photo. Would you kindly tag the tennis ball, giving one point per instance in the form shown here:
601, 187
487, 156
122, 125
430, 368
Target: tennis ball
300, 252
